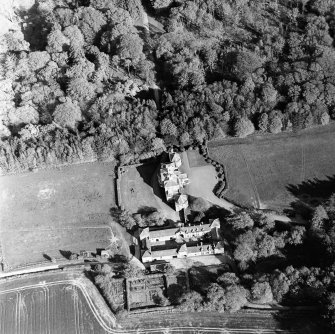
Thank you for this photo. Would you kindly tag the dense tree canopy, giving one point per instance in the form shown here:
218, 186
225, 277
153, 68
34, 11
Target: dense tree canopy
224, 68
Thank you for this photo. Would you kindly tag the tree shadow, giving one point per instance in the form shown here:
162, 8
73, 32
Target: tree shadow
65, 253
322, 188
309, 194
303, 322
147, 173
49, 258
146, 210
36, 28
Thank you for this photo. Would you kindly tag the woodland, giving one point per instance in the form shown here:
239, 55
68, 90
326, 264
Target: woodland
86, 80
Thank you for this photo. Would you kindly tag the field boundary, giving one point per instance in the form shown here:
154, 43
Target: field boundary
109, 322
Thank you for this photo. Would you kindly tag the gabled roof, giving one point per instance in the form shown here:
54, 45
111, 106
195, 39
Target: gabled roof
174, 157
182, 249
147, 253
219, 245
215, 223
145, 233
164, 232
181, 199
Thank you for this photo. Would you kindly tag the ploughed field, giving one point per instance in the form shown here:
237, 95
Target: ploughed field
274, 171
53, 303
60, 209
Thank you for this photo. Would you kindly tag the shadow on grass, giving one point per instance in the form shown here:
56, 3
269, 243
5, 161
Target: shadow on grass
301, 322
309, 194
65, 253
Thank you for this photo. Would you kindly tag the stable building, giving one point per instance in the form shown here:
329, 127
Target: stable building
183, 251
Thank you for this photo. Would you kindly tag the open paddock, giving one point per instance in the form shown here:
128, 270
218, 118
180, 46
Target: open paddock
271, 171
60, 209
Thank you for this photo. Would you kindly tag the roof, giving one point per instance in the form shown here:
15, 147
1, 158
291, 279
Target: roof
198, 248
219, 245
182, 249
164, 252
170, 183
174, 230
173, 156
144, 233
146, 254
166, 165
215, 223
196, 228
164, 232
181, 199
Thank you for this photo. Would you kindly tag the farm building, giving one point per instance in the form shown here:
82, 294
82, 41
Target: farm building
183, 251
185, 233
180, 242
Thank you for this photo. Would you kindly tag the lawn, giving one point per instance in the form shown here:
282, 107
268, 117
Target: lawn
203, 178
65, 208
140, 192
273, 171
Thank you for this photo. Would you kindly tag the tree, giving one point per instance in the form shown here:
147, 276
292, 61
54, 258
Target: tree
241, 221
125, 219
324, 118
168, 128
23, 115
263, 122
130, 46
190, 301
275, 124
330, 308
159, 298
158, 144
132, 271
215, 298
243, 127
228, 279
297, 235
318, 218
245, 63
236, 298
280, 285
67, 114
185, 138
244, 254
261, 293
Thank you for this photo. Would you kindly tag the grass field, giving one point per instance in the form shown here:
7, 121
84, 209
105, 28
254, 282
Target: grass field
58, 209
139, 191
271, 171
203, 178
52, 303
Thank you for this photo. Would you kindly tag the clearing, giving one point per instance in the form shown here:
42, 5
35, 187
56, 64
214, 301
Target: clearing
272, 171
66, 208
